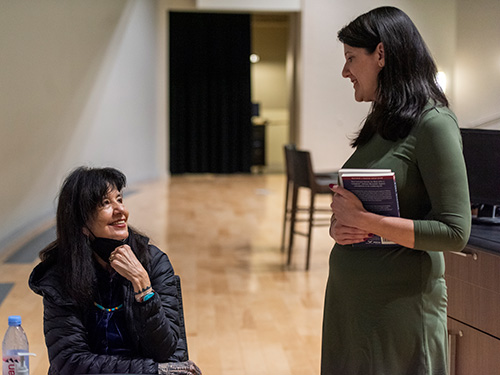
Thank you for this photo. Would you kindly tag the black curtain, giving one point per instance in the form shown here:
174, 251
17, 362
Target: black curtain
210, 118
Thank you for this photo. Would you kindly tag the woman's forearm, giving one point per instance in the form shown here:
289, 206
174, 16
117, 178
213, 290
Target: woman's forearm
349, 212
396, 229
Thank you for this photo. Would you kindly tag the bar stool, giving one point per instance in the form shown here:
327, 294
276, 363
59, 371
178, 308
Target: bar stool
302, 176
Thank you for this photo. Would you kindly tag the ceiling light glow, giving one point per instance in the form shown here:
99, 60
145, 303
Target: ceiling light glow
254, 58
441, 80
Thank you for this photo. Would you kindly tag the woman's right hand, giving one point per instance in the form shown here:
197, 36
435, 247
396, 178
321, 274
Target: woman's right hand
124, 261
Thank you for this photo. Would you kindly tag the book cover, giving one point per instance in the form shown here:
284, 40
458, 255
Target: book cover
376, 189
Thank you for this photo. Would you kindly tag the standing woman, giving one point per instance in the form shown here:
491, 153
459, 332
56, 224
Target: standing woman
109, 297
385, 307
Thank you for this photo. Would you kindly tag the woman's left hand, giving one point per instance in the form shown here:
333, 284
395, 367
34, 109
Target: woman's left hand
346, 207
346, 211
124, 261
179, 368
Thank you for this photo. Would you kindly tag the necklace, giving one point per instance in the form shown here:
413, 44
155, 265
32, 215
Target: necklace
108, 310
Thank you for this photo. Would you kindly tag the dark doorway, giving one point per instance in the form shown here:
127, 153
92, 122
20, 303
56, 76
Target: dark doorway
210, 111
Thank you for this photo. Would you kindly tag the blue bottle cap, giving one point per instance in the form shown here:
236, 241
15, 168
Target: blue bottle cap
14, 320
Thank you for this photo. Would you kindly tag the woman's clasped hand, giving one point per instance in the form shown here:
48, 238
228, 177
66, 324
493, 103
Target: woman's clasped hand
347, 211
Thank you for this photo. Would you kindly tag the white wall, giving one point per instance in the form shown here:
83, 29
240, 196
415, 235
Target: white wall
477, 69
79, 86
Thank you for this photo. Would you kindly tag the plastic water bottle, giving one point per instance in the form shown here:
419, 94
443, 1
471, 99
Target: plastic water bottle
14, 342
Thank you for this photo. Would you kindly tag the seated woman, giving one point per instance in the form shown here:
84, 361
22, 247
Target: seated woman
110, 299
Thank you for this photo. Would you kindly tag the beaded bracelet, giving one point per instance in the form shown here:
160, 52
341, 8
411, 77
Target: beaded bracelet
140, 297
142, 290
145, 297
148, 296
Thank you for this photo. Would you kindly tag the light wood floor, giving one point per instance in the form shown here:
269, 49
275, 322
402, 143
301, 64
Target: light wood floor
246, 313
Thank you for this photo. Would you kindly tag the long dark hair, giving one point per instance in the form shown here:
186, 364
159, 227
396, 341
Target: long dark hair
81, 194
406, 83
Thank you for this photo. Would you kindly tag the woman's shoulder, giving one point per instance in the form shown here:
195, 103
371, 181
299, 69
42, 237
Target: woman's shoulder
434, 115
46, 280
159, 259
436, 121
44, 273
156, 252
438, 128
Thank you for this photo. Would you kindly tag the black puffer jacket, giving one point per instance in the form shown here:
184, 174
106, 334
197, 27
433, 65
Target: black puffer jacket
153, 325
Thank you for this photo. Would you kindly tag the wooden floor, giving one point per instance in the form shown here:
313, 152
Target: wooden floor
246, 312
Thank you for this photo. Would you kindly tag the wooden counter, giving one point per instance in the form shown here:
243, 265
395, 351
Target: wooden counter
473, 279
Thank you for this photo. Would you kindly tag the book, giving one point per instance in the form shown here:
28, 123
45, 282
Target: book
377, 190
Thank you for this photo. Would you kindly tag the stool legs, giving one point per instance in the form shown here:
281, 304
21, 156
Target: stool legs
309, 230
286, 213
293, 216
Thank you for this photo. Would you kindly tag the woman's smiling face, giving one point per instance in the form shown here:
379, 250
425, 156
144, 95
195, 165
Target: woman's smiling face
362, 68
111, 216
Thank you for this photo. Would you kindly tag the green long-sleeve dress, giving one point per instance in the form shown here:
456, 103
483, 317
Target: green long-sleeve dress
385, 308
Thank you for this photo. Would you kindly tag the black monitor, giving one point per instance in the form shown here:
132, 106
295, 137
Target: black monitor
482, 158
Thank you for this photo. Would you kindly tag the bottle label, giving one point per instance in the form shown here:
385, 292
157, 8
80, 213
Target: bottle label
11, 362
